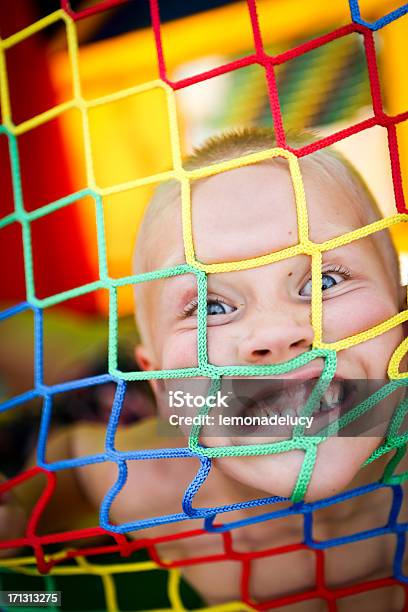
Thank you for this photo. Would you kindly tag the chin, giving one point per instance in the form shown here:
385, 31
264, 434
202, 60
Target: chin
338, 463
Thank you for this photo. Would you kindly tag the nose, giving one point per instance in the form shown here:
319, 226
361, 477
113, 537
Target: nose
275, 339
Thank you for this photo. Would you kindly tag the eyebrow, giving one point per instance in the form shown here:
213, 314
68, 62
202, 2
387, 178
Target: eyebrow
185, 285
345, 253
175, 259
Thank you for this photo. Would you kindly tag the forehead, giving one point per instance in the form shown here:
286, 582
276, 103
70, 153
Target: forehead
253, 210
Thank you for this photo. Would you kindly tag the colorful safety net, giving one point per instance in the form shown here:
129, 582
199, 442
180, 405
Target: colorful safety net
73, 561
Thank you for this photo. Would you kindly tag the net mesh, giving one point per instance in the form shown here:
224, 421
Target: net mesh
70, 562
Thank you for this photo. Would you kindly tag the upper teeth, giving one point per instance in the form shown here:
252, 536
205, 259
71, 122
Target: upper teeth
290, 400
332, 396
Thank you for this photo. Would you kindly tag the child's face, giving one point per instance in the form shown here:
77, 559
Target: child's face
262, 315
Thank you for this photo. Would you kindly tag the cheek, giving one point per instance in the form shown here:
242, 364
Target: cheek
381, 350
357, 312
180, 351
221, 345
373, 356
354, 312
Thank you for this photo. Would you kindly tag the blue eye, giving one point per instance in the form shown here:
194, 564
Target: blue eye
216, 307
328, 281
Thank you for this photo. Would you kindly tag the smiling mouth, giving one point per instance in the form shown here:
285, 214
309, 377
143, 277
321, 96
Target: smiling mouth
290, 398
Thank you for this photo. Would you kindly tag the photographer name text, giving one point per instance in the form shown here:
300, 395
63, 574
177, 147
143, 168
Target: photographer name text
208, 420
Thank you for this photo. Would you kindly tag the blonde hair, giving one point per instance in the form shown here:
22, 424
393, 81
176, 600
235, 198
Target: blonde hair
236, 143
